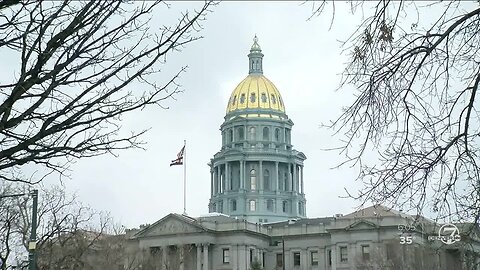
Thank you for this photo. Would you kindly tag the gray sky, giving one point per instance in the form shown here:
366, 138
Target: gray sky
303, 58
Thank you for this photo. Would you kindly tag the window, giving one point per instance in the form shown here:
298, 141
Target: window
266, 180
366, 252
264, 254
314, 258
296, 258
253, 97
253, 205
241, 133
251, 256
285, 181
264, 97
270, 205
226, 255
329, 255
284, 206
277, 134
300, 208
252, 133
266, 134
214, 208
280, 101
230, 135
242, 98
253, 180
343, 254
234, 205
279, 259
234, 99
155, 251
274, 101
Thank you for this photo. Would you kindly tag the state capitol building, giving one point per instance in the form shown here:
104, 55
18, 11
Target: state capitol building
257, 208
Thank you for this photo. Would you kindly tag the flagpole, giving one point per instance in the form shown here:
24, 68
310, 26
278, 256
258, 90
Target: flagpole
185, 177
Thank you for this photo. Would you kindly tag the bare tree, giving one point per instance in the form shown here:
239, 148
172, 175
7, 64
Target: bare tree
69, 234
416, 70
77, 67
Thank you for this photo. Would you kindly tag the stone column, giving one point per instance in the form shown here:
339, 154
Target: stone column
215, 184
211, 183
304, 259
303, 186
334, 257
242, 174
181, 256
227, 176
205, 257
295, 179
163, 257
260, 175
290, 188
234, 256
219, 179
277, 179
242, 257
199, 257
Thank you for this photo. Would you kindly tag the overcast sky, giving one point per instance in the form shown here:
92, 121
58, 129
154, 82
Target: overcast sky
302, 58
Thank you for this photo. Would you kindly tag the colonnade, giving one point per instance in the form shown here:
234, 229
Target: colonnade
221, 177
202, 257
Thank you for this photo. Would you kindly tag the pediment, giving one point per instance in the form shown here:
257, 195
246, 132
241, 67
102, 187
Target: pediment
361, 225
168, 225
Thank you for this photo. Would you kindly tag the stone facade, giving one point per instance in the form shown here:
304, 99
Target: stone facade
359, 240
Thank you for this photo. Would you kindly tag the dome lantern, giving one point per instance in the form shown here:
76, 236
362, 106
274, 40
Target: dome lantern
255, 58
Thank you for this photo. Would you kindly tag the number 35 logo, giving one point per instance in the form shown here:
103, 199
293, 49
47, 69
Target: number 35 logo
406, 240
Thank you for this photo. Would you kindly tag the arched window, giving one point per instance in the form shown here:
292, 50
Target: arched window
253, 205
274, 100
285, 206
253, 179
241, 134
252, 133
264, 97
234, 205
242, 98
253, 97
266, 180
266, 133
230, 135
270, 205
277, 134
234, 99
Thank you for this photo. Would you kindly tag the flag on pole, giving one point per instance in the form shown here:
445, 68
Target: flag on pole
179, 159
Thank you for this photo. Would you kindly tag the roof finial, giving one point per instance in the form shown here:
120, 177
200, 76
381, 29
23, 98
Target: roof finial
255, 58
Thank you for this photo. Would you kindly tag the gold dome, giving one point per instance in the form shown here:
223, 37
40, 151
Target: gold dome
257, 93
